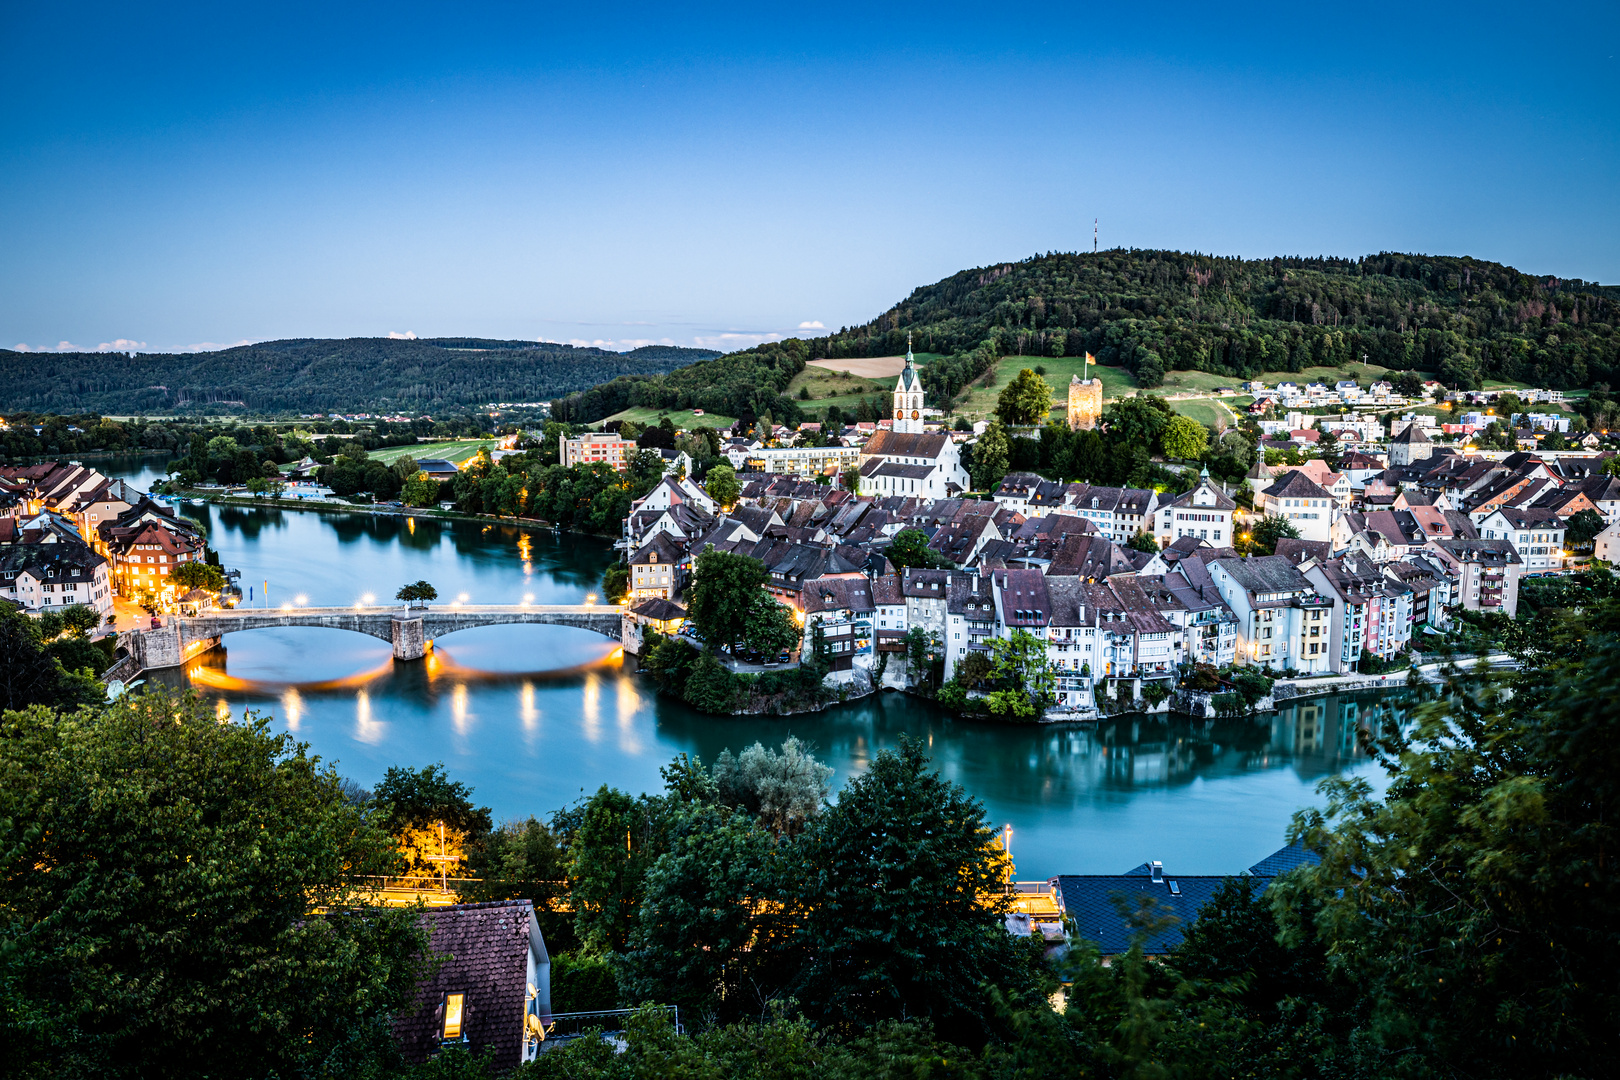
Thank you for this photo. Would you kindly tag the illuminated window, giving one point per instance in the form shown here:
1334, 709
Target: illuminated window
454, 1009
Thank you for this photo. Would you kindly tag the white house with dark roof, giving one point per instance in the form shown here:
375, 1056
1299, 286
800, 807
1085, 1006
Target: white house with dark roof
1276, 608
1204, 512
1308, 506
1537, 535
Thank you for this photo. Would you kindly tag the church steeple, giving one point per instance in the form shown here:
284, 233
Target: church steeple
908, 396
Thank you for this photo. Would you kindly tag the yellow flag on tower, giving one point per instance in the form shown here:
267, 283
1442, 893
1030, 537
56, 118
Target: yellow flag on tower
1090, 359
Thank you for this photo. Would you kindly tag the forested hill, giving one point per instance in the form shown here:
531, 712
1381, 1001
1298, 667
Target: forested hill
1155, 311
320, 375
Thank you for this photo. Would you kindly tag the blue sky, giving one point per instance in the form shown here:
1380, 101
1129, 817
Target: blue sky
186, 175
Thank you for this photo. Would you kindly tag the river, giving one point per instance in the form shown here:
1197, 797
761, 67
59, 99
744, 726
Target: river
534, 717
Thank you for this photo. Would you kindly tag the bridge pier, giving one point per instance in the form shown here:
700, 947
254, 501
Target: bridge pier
410, 639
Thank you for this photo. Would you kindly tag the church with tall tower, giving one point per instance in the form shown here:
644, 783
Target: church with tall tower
908, 397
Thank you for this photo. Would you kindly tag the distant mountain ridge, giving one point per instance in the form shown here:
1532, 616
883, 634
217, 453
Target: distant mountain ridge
321, 375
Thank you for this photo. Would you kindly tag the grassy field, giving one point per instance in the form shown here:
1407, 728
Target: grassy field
453, 452
681, 418
832, 387
1203, 410
981, 400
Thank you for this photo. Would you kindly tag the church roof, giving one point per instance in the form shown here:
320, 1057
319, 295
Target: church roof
901, 444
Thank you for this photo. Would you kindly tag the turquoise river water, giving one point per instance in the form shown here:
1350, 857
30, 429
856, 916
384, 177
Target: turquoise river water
534, 717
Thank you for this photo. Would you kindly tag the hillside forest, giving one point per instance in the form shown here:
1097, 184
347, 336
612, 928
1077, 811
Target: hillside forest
430, 375
1463, 319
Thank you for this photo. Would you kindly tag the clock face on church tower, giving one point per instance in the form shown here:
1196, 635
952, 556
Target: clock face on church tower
899, 414
914, 414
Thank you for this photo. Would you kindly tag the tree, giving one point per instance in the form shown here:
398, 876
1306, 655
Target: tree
990, 456
1185, 438
1583, 527
615, 582
723, 589
910, 548
697, 935
1025, 677
420, 490
721, 485
1267, 531
198, 575
1142, 541
850, 478
618, 839
31, 675
919, 654
1409, 384
79, 619
1025, 400
1136, 422
710, 688
1476, 894
417, 593
769, 628
417, 802
895, 893
782, 791
209, 879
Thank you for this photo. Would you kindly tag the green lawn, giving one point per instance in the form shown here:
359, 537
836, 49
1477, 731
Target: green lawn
681, 418
454, 452
835, 388
1203, 410
981, 400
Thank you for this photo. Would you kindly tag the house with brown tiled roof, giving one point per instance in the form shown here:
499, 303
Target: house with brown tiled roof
491, 992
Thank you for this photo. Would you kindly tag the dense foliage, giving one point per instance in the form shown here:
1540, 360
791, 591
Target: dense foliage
1157, 311
745, 385
163, 873
312, 375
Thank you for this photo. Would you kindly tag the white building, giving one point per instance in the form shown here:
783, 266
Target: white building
1303, 502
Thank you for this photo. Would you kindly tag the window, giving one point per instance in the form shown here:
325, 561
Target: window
454, 1008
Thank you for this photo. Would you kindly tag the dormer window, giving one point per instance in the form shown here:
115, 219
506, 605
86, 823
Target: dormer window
455, 1009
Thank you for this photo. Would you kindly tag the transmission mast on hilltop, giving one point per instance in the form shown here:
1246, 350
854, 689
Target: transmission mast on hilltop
1094, 236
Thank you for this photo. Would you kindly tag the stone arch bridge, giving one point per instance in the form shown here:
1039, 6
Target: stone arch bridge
408, 630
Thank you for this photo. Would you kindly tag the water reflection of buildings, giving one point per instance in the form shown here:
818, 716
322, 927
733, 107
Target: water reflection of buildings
1315, 736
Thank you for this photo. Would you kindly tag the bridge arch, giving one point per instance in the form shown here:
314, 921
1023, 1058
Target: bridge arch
407, 629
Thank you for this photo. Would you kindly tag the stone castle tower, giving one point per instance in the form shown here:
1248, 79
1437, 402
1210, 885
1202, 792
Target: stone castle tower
908, 398
1085, 403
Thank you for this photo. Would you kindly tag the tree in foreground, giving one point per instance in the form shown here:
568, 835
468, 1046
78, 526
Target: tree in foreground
417, 593
895, 893
182, 899
33, 670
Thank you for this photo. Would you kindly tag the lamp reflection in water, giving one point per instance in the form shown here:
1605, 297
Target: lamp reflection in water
591, 706
366, 729
222, 710
629, 703
292, 708
526, 709
458, 708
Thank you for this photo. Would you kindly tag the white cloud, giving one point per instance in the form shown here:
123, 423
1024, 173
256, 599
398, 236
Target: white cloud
732, 341
409, 335
814, 324
120, 345
617, 344
212, 346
